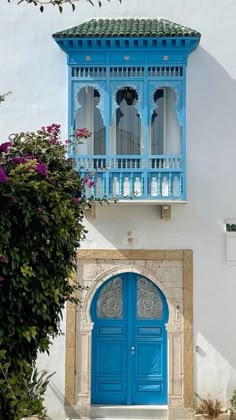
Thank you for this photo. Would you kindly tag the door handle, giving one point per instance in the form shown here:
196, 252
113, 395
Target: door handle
132, 350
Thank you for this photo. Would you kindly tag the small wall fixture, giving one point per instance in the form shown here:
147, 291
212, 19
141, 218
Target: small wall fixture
230, 234
130, 239
165, 212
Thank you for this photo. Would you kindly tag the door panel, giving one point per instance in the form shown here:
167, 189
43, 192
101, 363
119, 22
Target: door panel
110, 360
148, 359
129, 342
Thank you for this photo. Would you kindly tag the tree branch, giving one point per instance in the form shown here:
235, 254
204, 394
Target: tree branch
3, 96
57, 3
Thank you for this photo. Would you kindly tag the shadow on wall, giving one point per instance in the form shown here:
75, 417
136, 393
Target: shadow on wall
211, 128
60, 398
211, 94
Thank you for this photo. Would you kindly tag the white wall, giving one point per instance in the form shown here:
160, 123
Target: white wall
34, 68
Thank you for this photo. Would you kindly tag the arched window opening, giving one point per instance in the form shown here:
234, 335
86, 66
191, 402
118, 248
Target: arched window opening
126, 124
165, 131
89, 115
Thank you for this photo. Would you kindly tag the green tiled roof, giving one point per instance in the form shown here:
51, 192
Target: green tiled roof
114, 28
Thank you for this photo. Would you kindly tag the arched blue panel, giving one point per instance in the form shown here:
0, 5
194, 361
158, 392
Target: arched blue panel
129, 342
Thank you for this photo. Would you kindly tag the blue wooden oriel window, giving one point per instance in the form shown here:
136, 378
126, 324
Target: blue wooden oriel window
131, 94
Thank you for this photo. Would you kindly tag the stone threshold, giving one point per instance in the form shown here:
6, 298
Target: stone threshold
133, 412
119, 412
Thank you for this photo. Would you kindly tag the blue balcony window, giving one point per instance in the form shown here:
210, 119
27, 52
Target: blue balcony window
136, 147
130, 93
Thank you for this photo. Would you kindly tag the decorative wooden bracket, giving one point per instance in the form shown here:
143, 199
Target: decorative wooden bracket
165, 212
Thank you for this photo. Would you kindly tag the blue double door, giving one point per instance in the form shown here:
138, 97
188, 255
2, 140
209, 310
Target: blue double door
129, 342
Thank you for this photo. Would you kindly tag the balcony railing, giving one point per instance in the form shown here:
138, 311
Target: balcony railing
154, 177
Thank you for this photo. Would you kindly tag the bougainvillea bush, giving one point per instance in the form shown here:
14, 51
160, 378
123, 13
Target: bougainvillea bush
41, 216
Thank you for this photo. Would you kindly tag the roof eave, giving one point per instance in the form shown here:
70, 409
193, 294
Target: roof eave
78, 44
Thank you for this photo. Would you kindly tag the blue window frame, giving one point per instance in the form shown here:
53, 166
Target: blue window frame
131, 93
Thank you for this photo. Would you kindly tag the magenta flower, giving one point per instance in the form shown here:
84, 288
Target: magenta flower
75, 200
3, 259
82, 133
42, 169
3, 177
5, 146
54, 132
18, 159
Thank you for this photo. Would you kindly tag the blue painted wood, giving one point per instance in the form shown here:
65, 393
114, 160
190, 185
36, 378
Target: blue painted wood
161, 62
125, 167
129, 353
144, 163
176, 47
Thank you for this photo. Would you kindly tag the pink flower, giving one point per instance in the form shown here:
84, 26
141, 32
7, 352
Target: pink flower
54, 132
21, 320
74, 200
42, 169
82, 133
22, 159
3, 176
40, 209
5, 146
17, 160
3, 259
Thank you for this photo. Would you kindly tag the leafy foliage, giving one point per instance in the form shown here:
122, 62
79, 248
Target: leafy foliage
233, 400
36, 388
25, 390
209, 408
41, 215
57, 3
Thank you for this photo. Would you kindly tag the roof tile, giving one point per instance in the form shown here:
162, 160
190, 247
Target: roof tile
114, 28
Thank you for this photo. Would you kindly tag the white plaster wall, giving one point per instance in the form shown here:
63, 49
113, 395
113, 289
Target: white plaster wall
55, 362
34, 68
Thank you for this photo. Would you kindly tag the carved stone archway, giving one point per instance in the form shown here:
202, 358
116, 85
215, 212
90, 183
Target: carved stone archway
171, 271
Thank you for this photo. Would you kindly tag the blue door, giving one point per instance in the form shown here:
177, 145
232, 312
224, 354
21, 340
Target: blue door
129, 342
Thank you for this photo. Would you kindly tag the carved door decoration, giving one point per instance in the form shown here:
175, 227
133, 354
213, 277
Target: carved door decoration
129, 342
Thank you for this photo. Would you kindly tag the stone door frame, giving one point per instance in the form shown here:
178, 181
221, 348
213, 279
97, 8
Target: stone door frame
172, 272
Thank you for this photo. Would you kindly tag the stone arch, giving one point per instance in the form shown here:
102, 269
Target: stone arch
102, 277
171, 271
